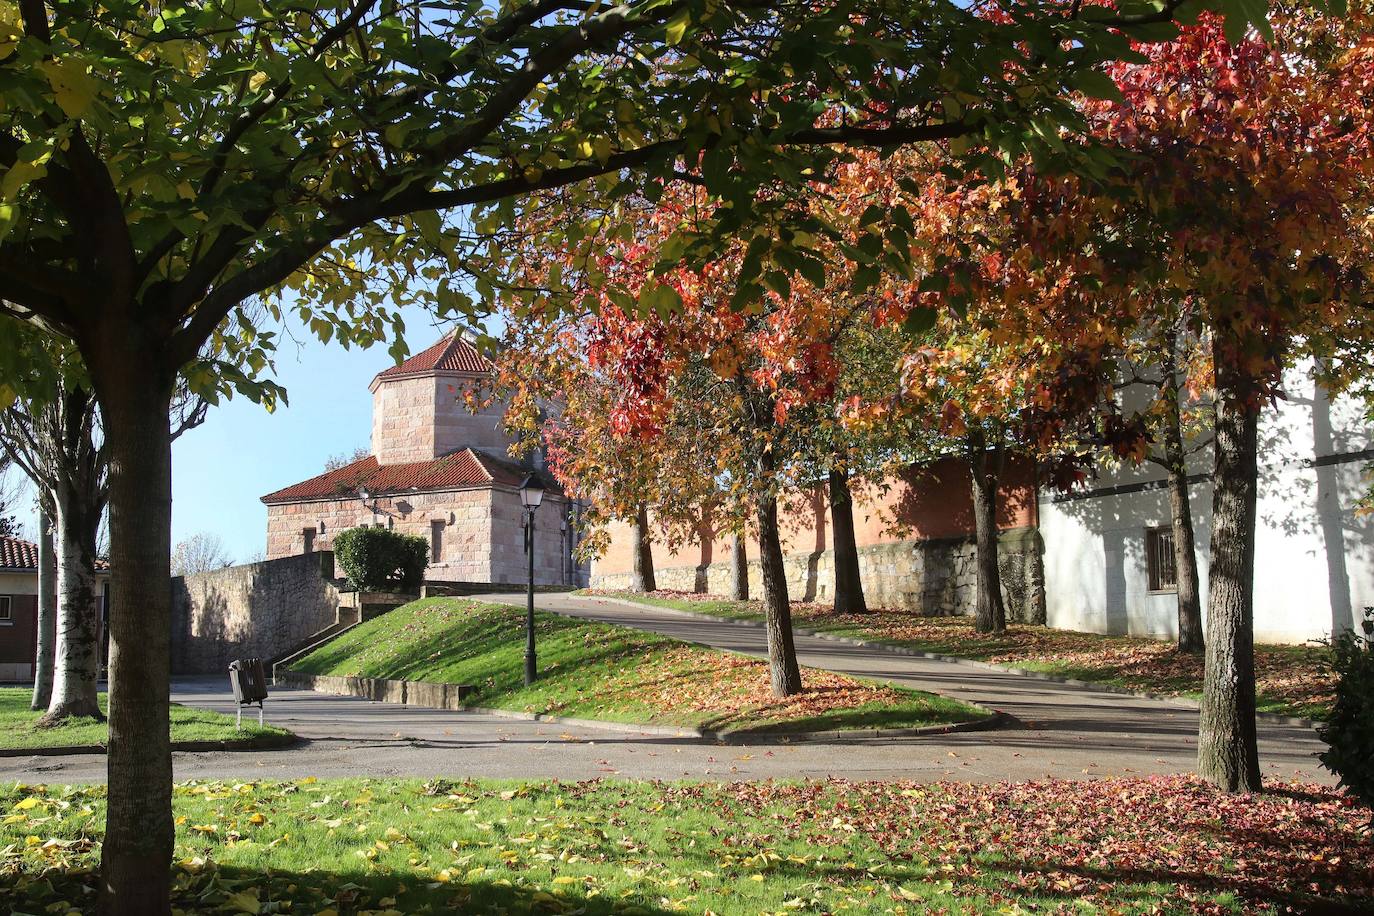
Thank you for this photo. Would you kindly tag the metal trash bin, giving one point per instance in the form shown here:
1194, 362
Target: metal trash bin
248, 677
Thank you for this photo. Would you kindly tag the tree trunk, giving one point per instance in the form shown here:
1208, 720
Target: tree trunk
47, 615
1180, 506
1228, 755
137, 851
849, 588
990, 614
643, 577
739, 568
783, 670
77, 657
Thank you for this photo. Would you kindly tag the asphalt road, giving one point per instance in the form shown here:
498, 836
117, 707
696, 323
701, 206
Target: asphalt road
1060, 731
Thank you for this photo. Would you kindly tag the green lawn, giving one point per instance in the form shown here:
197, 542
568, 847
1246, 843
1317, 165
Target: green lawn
17, 728
390, 847
1290, 680
597, 671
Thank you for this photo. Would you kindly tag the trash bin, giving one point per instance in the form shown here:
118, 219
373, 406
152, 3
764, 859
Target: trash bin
248, 678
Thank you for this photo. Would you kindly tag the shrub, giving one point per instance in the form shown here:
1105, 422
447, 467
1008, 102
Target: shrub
1350, 730
376, 559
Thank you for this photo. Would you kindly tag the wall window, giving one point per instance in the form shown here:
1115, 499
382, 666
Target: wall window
1159, 559
6, 609
308, 540
436, 542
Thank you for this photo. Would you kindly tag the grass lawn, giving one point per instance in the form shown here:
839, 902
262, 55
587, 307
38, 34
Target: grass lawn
1290, 679
597, 671
17, 725
1166, 845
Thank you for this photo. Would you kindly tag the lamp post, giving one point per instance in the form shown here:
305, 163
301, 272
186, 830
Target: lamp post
531, 495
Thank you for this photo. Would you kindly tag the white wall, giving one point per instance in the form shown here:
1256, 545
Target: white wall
1314, 559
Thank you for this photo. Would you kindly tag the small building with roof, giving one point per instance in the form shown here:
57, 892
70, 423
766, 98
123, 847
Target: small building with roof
439, 470
19, 607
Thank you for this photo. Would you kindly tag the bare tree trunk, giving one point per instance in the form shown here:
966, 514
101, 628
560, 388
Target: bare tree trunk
1180, 505
1228, 753
77, 663
643, 579
990, 613
739, 568
849, 588
783, 670
137, 850
47, 615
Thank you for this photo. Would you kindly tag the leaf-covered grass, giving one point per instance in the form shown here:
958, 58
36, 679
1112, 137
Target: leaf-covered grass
597, 671
18, 727
1169, 845
1291, 680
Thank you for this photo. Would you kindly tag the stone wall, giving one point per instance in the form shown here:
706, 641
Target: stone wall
936, 576
261, 610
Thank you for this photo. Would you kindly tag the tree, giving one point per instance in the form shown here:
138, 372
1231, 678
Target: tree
343, 459
1272, 258
165, 165
201, 552
9, 525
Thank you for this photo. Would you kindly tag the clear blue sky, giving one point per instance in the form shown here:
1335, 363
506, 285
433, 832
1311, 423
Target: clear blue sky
220, 469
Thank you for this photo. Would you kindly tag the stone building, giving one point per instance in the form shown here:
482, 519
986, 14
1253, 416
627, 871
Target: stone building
438, 470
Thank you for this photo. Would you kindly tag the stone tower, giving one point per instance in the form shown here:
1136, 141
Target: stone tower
418, 409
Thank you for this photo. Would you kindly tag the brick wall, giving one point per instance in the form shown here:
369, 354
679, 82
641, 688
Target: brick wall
260, 609
934, 576
929, 502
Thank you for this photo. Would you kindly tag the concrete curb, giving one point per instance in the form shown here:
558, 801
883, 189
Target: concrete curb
260, 743
430, 695
1182, 702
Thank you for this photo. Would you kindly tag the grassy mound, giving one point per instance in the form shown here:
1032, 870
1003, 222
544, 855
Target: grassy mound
1290, 680
18, 731
597, 671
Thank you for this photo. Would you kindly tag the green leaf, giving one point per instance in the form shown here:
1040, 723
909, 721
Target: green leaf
918, 321
1098, 85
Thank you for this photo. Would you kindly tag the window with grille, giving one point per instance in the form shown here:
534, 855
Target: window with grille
6, 607
436, 541
1159, 554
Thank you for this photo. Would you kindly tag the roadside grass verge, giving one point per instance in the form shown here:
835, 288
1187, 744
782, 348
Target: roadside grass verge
1291, 680
18, 729
1160, 845
597, 671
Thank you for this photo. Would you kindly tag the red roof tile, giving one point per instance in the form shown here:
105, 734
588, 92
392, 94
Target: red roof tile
17, 554
452, 354
463, 468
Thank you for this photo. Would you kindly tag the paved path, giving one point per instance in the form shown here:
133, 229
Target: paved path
1066, 731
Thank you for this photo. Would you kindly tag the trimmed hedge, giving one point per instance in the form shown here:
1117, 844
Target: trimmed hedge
1350, 730
379, 560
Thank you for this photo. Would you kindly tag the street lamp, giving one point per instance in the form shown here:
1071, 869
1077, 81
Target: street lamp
531, 495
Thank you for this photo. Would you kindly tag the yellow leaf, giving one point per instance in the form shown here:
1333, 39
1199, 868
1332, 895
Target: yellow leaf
257, 819
244, 902
27, 803
256, 80
601, 147
677, 27
72, 87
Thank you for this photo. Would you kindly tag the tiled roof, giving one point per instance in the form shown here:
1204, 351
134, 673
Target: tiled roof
452, 354
464, 468
17, 554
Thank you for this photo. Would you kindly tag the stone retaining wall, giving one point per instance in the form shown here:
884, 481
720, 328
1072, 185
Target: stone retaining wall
261, 610
936, 576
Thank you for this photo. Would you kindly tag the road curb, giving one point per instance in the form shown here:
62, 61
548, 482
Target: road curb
260, 743
429, 695
1182, 702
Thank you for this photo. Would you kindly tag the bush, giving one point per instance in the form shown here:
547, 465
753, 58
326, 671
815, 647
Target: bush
379, 560
1350, 730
